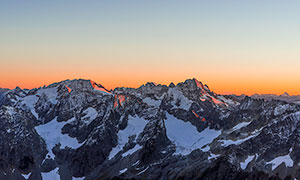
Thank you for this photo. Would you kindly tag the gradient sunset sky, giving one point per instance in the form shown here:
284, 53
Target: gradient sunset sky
241, 46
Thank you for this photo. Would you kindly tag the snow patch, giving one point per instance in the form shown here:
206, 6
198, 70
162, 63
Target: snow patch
277, 161
123, 170
239, 141
78, 178
152, 102
91, 114
246, 162
30, 102
26, 176
143, 171
240, 126
51, 94
228, 101
131, 151
184, 102
186, 137
135, 126
281, 109
51, 133
213, 156
53, 175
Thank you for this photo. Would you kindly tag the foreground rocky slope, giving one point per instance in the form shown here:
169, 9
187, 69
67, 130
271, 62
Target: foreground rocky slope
77, 129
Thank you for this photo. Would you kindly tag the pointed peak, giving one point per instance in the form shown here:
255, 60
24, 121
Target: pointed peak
151, 84
171, 85
194, 84
99, 87
198, 83
17, 88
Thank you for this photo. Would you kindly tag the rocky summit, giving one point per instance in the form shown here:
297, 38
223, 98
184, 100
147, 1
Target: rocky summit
77, 129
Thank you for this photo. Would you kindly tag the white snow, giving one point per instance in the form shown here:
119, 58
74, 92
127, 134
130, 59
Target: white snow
78, 178
240, 125
26, 176
136, 163
228, 101
286, 159
282, 109
143, 171
246, 162
91, 114
123, 170
10, 110
239, 141
52, 175
212, 156
186, 137
51, 133
185, 103
152, 102
51, 94
135, 126
236, 142
130, 151
30, 102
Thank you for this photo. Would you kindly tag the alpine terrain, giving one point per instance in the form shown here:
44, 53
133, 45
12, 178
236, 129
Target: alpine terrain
77, 129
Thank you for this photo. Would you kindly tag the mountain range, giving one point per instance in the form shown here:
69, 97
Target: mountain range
77, 129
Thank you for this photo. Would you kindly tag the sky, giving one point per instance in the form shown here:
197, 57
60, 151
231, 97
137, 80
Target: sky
233, 46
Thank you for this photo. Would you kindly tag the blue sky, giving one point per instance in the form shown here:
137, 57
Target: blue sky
215, 41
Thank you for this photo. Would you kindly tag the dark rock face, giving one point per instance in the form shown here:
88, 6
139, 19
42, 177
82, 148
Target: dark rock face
77, 128
21, 148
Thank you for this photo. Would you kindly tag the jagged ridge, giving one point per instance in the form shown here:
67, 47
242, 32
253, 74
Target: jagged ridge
152, 132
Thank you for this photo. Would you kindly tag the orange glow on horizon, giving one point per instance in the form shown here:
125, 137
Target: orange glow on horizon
225, 79
216, 85
119, 44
